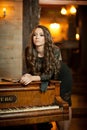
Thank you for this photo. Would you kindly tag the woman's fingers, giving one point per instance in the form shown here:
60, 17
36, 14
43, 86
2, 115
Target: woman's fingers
25, 79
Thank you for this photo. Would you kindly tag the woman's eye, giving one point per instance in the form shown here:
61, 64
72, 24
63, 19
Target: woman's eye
41, 35
38, 35
34, 34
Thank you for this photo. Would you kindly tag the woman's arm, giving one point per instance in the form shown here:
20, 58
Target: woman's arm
28, 78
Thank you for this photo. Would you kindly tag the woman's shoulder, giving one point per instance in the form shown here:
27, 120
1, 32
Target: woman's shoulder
57, 52
56, 48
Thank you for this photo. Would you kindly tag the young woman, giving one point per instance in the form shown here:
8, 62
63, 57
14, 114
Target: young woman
43, 59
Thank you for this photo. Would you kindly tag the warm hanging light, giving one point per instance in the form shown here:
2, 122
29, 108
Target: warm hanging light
73, 10
77, 36
54, 25
63, 11
54, 29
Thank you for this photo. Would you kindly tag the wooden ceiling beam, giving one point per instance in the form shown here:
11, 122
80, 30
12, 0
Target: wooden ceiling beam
62, 2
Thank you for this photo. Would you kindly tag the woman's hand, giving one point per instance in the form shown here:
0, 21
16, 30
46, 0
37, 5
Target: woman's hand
26, 79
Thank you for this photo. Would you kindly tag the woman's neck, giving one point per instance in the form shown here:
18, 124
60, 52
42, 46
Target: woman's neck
40, 51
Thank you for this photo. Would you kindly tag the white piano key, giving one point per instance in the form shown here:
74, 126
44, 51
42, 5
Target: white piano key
27, 109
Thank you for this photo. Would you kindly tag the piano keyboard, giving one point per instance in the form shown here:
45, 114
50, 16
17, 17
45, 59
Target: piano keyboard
27, 109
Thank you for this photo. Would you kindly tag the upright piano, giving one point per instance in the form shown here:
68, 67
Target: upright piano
24, 105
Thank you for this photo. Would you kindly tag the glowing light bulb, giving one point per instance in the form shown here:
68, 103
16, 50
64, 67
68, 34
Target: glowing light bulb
63, 11
4, 11
73, 10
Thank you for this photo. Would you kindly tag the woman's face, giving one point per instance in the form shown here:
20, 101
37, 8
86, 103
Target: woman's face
38, 37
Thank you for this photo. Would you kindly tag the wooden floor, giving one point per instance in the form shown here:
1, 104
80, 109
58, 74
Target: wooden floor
77, 124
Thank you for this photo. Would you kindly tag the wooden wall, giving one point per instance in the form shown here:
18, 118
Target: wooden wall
11, 39
15, 28
30, 20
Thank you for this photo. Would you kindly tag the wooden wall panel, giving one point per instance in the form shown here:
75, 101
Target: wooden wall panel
30, 20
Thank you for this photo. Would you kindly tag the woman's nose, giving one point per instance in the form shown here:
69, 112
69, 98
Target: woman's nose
37, 36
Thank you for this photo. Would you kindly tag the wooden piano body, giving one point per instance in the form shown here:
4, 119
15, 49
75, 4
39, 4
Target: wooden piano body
23, 105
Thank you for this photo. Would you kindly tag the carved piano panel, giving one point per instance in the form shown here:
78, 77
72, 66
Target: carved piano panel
28, 105
15, 94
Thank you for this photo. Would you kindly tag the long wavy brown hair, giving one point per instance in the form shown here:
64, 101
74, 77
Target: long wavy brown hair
50, 62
